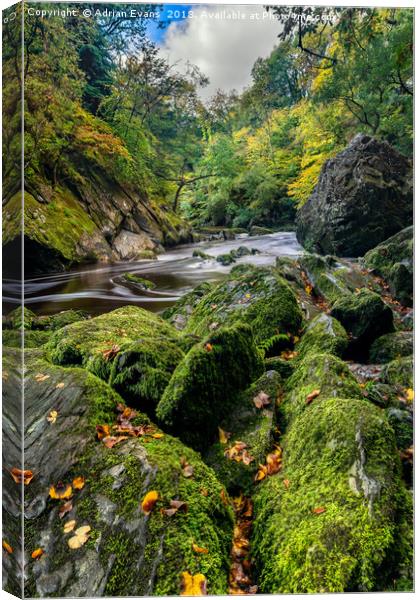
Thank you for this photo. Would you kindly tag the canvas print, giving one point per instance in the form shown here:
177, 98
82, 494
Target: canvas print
207, 299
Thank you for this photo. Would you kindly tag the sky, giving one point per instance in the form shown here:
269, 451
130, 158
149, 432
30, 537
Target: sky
224, 41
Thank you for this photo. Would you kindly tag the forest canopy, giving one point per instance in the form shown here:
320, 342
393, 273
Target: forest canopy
101, 90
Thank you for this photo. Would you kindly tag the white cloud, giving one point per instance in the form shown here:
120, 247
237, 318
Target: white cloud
223, 47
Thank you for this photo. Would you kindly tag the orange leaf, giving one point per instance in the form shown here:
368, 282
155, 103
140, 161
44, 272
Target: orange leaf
7, 547
199, 550
61, 491
224, 498
20, 476
111, 441
78, 483
157, 436
111, 353
149, 502
193, 585
208, 347
286, 483
261, 473
319, 510
310, 397
37, 553
103, 431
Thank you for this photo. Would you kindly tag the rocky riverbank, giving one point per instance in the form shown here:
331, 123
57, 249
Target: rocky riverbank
257, 433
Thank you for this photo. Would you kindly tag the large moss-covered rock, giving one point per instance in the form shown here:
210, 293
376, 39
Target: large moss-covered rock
325, 374
257, 296
327, 276
251, 425
205, 384
364, 316
340, 522
391, 346
179, 313
128, 552
132, 348
324, 334
399, 372
393, 260
363, 195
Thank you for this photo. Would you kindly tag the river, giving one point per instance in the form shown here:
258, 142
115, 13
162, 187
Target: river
98, 288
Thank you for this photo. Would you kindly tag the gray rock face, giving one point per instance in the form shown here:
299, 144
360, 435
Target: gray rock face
130, 246
363, 196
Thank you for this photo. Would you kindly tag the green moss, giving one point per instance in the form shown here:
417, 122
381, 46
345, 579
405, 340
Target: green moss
323, 372
61, 319
179, 313
33, 339
19, 318
283, 367
391, 346
143, 283
205, 384
143, 349
339, 455
326, 276
399, 372
253, 426
256, 296
324, 334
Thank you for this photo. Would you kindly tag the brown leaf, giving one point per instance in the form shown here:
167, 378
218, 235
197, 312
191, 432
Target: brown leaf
20, 476
224, 498
199, 550
7, 547
111, 352
286, 483
175, 506
65, 508
149, 501
310, 397
111, 441
273, 463
319, 510
188, 471
193, 585
36, 554
261, 399
61, 491
41, 377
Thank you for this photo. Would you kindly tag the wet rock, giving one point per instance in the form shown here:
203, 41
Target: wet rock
139, 282
282, 366
205, 384
130, 246
401, 421
179, 314
399, 372
391, 346
364, 316
393, 260
363, 196
257, 296
324, 334
128, 552
251, 425
133, 349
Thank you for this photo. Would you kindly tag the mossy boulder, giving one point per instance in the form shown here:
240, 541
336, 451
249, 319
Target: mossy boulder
326, 275
29, 320
364, 316
399, 372
128, 552
32, 339
139, 282
324, 373
205, 384
393, 260
282, 366
251, 425
391, 346
256, 296
339, 523
324, 334
133, 349
179, 314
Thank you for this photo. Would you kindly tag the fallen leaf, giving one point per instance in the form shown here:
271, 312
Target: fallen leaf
261, 473
65, 508
111, 441
36, 554
286, 483
409, 394
319, 510
199, 550
175, 506
224, 498
208, 347
103, 431
308, 289
273, 461
204, 492
223, 436
111, 352
41, 377
310, 397
288, 354
52, 417
78, 483
149, 502
60, 385
193, 585
157, 436
188, 471
81, 536
61, 491
69, 526
83, 530
261, 399
7, 547
20, 476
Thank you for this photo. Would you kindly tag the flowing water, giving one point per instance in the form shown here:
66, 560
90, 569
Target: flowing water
99, 288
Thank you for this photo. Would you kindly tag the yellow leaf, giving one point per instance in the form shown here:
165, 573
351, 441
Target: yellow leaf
149, 502
41, 377
84, 530
78, 483
77, 541
52, 417
199, 550
193, 585
69, 526
157, 436
60, 385
223, 436
409, 394
61, 491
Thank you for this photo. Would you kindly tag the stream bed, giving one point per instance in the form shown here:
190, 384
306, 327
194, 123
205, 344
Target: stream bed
99, 289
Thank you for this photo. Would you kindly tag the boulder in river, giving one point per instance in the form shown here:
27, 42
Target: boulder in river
363, 196
393, 260
128, 548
